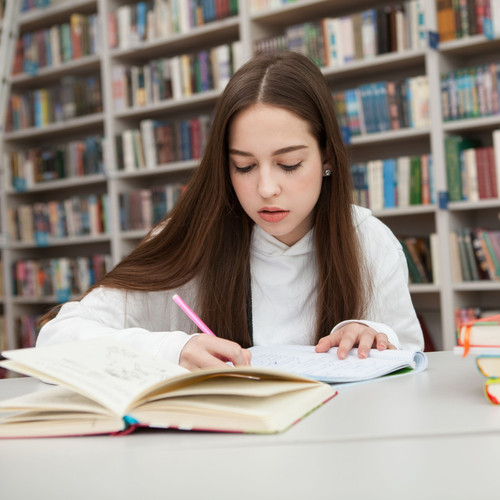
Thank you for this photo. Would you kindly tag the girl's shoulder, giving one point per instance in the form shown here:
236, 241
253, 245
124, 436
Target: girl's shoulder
371, 229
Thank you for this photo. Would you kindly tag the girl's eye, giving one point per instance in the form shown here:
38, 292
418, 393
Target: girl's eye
290, 168
243, 170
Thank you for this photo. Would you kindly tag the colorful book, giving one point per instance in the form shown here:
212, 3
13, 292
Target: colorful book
484, 332
489, 367
454, 145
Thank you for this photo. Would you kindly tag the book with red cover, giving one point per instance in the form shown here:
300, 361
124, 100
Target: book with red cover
484, 332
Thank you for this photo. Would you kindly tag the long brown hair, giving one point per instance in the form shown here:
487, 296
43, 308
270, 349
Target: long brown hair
207, 235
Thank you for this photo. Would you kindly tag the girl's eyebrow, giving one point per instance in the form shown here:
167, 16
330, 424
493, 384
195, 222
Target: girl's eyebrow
281, 151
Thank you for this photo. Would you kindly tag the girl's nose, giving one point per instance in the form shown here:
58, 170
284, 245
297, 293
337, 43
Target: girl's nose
268, 185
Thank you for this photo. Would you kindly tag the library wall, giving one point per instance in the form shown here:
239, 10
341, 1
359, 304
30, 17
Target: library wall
110, 102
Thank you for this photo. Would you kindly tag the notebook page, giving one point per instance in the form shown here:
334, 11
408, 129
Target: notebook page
327, 367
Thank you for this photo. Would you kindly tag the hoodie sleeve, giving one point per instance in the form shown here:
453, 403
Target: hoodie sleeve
390, 309
148, 321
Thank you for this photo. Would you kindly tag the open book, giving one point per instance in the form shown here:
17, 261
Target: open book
104, 386
327, 367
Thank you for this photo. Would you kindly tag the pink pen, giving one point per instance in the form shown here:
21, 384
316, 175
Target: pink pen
192, 315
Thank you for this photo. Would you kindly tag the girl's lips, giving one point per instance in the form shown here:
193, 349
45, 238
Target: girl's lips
273, 215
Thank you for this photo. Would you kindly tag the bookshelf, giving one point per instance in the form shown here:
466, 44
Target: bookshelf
122, 172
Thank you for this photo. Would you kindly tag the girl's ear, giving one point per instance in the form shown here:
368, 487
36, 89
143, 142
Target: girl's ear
327, 169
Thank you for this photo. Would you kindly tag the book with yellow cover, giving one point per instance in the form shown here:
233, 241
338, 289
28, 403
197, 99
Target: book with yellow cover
489, 366
104, 386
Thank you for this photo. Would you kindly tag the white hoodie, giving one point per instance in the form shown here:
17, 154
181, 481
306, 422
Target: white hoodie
283, 299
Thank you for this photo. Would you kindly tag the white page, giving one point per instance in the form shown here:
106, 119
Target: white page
327, 367
110, 372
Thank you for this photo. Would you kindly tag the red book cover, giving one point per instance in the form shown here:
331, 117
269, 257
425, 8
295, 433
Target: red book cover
483, 173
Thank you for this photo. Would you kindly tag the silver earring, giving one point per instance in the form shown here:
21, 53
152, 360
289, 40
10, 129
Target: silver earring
328, 172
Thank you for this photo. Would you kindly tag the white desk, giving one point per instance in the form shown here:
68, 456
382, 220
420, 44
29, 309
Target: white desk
431, 435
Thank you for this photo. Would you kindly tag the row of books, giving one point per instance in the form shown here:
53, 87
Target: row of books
393, 182
58, 44
74, 216
383, 106
159, 142
472, 170
475, 254
60, 277
175, 77
421, 255
459, 19
131, 25
470, 92
336, 41
141, 209
71, 98
29, 167
27, 5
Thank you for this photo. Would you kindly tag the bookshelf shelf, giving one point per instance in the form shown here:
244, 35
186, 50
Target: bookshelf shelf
207, 98
61, 242
373, 66
76, 124
294, 12
484, 122
160, 170
135, 234
471, 45
404, 212
438, 301
49, 74
390, 136
421, 288
209, 34
456, 206
477, 286
62, 184
44, 16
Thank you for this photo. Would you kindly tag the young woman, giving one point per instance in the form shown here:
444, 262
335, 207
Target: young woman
264, 244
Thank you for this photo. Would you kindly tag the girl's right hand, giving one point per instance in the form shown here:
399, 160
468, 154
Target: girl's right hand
206, 351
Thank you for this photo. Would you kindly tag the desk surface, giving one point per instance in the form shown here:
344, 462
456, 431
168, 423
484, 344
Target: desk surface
427, 435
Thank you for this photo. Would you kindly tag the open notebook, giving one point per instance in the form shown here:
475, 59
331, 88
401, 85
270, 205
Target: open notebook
327, 367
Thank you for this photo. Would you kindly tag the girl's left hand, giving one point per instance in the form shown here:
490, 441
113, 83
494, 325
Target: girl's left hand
352, 335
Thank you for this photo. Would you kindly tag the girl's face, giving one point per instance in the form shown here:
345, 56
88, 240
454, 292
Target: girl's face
276, 170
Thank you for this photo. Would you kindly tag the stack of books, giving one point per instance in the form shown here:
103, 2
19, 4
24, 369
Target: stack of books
481, 337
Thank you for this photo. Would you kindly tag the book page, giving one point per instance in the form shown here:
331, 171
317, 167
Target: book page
110, 372
54, 399
327, 367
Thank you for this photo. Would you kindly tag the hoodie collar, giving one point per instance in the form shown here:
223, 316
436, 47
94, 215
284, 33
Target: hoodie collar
266, 244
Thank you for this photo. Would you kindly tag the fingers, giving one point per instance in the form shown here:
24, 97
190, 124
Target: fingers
204, 351
382, 342
351, 335
329, 341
